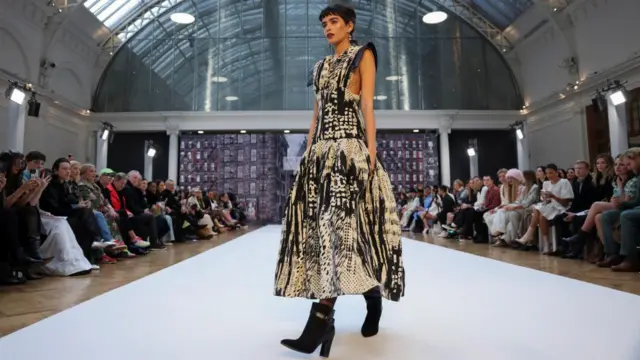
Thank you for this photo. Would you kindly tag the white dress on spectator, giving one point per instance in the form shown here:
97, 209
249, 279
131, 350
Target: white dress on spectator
550, 209
497, 221
206, 219
61, 244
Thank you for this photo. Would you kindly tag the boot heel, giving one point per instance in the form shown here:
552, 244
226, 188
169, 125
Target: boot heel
325, 349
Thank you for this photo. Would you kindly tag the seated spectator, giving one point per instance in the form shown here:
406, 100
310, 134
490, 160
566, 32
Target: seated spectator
623, 256
106, 216
459, 192
60, 200
515, 213
569, 222
604, 177
571, 175
128, 227
143, 220
541, 175
556, 194
462, 225
164, 222
510, 191
229, 202
413, 204
491, 202
623, 190
195, 203
183, 220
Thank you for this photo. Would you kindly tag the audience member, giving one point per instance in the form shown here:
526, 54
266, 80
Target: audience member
516, 213
556, 196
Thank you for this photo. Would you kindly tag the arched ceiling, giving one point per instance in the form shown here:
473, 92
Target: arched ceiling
265, 48
125, 18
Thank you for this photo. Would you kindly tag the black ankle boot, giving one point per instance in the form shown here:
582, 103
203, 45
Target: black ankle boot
32, 249
374, 312
319, 330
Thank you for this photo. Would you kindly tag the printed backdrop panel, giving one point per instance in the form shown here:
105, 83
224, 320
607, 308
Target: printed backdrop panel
260, 168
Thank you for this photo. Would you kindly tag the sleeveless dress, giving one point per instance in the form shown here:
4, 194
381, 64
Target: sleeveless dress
341, 233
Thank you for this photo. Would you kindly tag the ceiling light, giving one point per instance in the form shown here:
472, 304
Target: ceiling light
434, 17
392, 78
231, 98
243, 131
16, 95
182, 18
200, 132
416, 131
287, 131
219, 79
380, 97
519, 134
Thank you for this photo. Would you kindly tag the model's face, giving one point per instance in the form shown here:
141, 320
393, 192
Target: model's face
161, 187
540, 173
487, 181
90, 175
335, 29
571, 174
502, 177
551, 174
75, 171
581, 170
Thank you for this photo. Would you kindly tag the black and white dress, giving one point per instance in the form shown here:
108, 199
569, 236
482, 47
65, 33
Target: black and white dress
341, 233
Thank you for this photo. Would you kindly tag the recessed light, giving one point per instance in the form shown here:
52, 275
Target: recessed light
380, 97
200, 132
219, 79
287, 131
392, 78
182, 18
434, 17
243, 131
231, 98
416, 131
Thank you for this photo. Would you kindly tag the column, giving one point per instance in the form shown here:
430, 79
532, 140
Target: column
473, 160
148, 163
16, 121
618, 135
102, 150
173, 154
445, 157
522, 146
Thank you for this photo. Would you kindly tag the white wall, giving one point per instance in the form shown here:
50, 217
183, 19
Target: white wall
31, 32
602, 36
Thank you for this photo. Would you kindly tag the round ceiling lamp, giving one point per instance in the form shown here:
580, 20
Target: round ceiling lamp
182, 18
434, 17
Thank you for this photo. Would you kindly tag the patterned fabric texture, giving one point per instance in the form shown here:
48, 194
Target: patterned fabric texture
341, 234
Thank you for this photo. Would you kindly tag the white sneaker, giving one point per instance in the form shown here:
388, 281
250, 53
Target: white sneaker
95, 267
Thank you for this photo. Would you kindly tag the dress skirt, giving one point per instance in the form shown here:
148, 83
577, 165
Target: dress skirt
341, 233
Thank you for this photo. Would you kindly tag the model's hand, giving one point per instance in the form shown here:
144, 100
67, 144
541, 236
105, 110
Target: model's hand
372, 161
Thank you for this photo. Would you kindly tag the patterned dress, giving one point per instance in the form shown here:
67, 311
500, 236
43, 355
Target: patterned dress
341, 233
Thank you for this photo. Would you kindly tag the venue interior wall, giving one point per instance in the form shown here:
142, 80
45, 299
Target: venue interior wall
127, 152
496, 149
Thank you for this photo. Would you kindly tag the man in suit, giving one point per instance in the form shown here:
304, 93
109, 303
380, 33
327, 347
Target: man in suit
571, 221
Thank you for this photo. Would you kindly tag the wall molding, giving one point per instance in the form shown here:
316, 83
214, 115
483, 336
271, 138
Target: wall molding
300, 120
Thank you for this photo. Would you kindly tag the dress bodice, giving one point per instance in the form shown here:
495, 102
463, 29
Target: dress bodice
339, 114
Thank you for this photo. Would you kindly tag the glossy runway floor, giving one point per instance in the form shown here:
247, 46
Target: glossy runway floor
219, 305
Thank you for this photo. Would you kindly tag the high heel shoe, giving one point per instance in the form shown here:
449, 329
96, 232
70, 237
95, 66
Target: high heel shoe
318, 331
374, 312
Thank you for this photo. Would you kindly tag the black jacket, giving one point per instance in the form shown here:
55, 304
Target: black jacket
135, 198
448, 203
583, 199
57, 199
170, 201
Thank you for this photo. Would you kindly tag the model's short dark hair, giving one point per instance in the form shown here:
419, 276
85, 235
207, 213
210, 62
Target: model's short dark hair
345, 12
35, 155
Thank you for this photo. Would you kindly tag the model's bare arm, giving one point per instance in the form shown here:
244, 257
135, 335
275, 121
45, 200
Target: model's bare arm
368, 77
312, 129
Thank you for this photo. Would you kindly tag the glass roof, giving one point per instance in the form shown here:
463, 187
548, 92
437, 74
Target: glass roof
500, 13
259, 52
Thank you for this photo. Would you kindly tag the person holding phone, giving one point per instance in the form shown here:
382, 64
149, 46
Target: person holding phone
556, 194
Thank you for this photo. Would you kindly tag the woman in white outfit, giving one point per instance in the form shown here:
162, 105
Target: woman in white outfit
556, 194
515, 213
509, 194
62, 246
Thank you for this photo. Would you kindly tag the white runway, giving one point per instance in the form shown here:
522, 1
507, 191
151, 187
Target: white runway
219, 305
